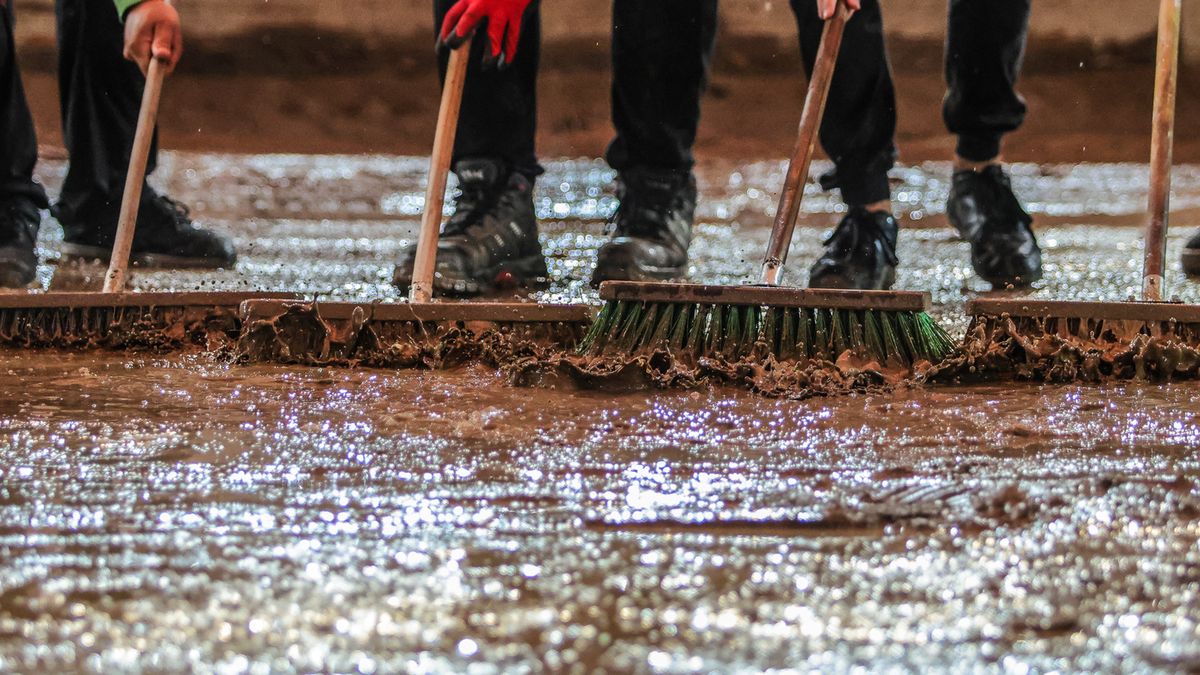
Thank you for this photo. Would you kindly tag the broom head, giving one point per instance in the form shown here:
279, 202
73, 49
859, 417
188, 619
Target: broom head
696, 321
1051, 340
122, 320
400, 334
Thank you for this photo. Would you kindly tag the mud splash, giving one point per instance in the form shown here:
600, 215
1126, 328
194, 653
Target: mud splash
301, 335
758, 371
544, 355
1044, 349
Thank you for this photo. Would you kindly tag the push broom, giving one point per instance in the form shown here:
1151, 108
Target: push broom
732, 323
1068, 340
114, 317
399, 333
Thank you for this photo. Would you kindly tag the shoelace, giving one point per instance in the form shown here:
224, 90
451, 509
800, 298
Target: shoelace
469, 204
1000, 186
638, 216
852, 227
178, 210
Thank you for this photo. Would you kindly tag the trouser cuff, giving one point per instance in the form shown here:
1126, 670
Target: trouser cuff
979, 148
865, 189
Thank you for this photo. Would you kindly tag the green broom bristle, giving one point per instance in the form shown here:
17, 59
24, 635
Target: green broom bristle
731, 332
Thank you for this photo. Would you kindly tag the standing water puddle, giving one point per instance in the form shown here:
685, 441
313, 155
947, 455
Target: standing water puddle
176, 512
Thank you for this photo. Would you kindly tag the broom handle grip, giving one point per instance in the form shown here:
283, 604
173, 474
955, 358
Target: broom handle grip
1162, 138
118, 264
439, 166
806, 138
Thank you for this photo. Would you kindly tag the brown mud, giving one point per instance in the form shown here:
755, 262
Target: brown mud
545, 356
183, 512
160, 329
1045, 349
176, 513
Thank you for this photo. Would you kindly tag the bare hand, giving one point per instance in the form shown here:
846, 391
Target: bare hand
152, 30
825, 8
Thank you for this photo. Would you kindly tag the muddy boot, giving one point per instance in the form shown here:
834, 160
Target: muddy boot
1191, 255
651, 229
983, 208
19, 221
860, 254
491, 242
165, 237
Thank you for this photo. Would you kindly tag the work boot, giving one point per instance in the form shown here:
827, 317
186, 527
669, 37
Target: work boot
165, 237
491, 241
1191, 255
651, 229
983, 208
19, 221
860, 254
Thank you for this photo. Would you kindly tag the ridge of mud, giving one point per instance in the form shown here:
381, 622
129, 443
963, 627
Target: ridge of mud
543, 355
158, 329
1042, 350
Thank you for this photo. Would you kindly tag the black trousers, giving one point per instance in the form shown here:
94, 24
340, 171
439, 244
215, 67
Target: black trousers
100, 93
661, 54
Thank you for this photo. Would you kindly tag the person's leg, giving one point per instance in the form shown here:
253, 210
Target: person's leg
859, 126
18, 153
985, 45
491, 241
661, 54
101, 95
499, 108
20, 197
857, 133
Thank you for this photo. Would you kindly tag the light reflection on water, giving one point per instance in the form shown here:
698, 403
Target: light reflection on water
172, 513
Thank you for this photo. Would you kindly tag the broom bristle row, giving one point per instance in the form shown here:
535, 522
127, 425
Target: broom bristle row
728, 331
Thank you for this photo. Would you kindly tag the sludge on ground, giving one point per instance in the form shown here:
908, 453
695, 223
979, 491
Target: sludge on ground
172, 512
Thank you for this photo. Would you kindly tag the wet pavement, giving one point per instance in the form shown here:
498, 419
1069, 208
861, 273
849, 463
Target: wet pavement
171, 512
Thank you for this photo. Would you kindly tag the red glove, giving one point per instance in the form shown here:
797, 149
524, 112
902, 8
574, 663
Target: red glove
825, 7
503, 25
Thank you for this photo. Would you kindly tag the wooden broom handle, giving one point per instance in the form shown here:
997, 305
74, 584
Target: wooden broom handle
1162, 138
439, 166
806, 138
118, 264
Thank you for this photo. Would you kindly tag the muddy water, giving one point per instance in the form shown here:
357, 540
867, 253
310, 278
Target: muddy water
177, 512
172, 513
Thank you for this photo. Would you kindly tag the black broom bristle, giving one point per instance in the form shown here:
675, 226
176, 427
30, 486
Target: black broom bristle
731, 332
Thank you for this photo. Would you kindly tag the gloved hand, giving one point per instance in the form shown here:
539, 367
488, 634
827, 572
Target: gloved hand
152, 30
825, 7
503, 25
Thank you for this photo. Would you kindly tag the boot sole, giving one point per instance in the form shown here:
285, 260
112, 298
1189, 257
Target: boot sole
84, 253
837, 282
628, 270
1191, 261
529, 272
1016, 282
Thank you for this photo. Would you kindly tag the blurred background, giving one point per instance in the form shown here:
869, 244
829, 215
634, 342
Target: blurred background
316, 76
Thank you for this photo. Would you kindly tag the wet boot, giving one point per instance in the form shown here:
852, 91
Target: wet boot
19, 221
491, 241
860, 254
1191, 255
651, 229
165, 237
983, 208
